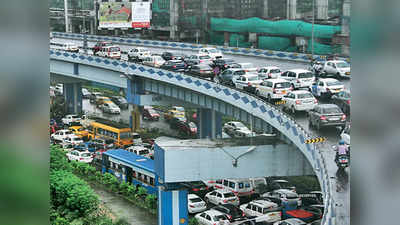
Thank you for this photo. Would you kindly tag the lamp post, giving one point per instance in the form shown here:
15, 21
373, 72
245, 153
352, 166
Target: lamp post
312, 31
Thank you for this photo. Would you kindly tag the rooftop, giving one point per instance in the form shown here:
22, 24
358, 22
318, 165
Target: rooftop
131, 159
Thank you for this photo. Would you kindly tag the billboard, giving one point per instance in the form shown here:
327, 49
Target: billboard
115, 15
140, 14
124, 15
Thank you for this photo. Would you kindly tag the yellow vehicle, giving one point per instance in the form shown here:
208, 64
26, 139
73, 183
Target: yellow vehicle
173, 114
101, 99
121, 134
79, 131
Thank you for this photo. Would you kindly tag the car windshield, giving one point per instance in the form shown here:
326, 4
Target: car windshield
282, 85
305, 95
275, 71
247, 65
125, 135
85, 155
306, 75
240, 72
259, 182
342, 65
136, 136
195, 200
192, 125
68, 132
229, 195
114, 49
74, 117
205, 57
213, 50
252, 78
270, 209
143, 152
333, 83
240, 125
331, 110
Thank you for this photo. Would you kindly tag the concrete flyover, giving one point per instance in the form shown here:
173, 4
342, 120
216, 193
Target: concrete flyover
205, 90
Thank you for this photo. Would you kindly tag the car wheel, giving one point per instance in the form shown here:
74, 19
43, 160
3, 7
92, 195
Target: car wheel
338, 75
269, 98
293, 110
258, 93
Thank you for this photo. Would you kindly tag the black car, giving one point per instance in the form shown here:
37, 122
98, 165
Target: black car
174, 65
120, 101
196, 187
223, 63
175, 122
342, 99
202, 70
327, 115
172, 56
233, 213
198, 59
226, 76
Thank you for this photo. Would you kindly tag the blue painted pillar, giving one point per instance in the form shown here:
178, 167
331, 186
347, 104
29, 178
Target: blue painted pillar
134, 90
172, 207
210, 123
73, 98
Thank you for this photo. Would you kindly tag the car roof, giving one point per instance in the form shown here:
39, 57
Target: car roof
285, 191
176, 61
281, 181
264, 203
249, 75
193, 196
223, 191
213, 212
270, 67
246, 63
327, 106
235, 122
300, 92
299, 70
336, 61
276, 80
235, 69
328, 79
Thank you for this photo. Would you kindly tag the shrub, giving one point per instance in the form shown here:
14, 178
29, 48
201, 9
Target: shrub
58, 161
151, 201
193, 221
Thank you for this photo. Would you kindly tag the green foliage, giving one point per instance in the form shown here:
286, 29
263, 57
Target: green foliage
151, 201
121, 222
58, 161
141, 192
193, 221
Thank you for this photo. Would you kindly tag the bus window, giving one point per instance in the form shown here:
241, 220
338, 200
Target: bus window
134, 174
151, 181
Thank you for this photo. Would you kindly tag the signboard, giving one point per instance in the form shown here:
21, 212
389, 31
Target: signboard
115, 15
140, 14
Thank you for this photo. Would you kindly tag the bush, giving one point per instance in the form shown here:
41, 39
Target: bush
151, 201
110, 181
193, 221
58, 161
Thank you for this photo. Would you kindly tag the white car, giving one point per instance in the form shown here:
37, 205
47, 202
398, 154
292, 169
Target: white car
269, 72
113, 52
247, 80
326, 87
110, 107
85, 157
67, 146
154, 61
212, 52
299, 101
273, 89
291, 221
70, 47
86, 93
138, 54
217, 197
248, 67
60, 135
345, 135
232, 126
284, 196
262, 210
212, 217
337, 67
196, 204
68, 119
140, 150
73, 140
299, 78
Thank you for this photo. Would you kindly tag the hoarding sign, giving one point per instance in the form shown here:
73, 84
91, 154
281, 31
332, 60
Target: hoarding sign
140, 14
115, 15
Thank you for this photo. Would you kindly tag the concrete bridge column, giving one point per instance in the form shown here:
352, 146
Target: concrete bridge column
172, 207
291, 6
322, 9
135, 88
209, 124
73, 98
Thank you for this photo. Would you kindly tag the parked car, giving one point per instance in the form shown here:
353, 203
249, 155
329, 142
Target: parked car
67, 146
273, 89
212, 217
198, 59
299, 78
196, 187
233, 213
85, 157
262, 210
269, 72
154, 61
229, 76
85, 93
212, 52
71, 118
69, 47
240, 187
60, 135
292, 221
259, 184
326, 115
110, 107
140, 150
196, 204
138, 54
284, 196
338, 68
105, 142
248, 67
172, 56
232, 126
299, 100
218, 197
342, 99
150, 114
100, 45
326, 87
244, 82
222, 63
202, 70
88, 146
174, 65
113, 52
73, 140
120, 101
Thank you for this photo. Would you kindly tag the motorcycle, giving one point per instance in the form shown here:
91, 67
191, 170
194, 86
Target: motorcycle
316, 68
342, 161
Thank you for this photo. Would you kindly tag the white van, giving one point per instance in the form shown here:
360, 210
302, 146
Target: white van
240, 187
113, 52
258, 184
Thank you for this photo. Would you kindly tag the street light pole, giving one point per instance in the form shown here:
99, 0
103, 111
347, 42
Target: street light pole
312, 31
66, 15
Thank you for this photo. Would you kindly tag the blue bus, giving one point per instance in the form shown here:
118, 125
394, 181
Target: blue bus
132, 168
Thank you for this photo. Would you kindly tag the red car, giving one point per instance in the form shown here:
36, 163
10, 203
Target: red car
150, 114
99, 45
188, 128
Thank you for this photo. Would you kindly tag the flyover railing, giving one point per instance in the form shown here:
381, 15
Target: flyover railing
245, 101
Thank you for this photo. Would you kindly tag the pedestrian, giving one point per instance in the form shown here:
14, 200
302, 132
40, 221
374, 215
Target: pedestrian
216, 72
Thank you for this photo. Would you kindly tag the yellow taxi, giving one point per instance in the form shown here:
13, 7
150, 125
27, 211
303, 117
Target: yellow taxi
173, 114
79, 131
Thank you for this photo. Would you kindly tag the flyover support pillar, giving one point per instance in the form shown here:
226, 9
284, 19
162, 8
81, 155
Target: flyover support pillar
135, 88
73, 98
322, 9
172, 207
291, 9
210, 124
